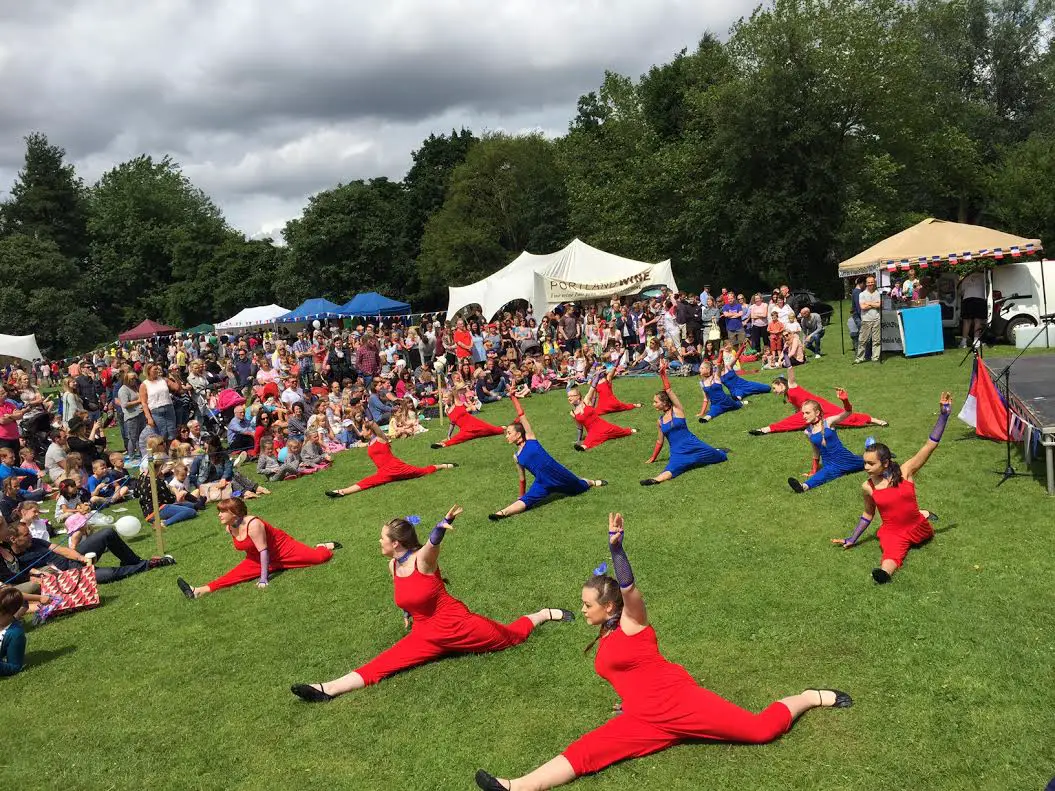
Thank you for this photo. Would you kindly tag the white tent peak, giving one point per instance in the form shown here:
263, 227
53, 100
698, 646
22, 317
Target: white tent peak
578, 271
253, 317
20, 347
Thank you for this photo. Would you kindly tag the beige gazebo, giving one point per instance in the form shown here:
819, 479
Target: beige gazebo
933, 242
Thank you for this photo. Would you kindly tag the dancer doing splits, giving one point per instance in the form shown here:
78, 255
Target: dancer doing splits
440, 624
686, 449
606, 400
267, 550
597, 430
662, 704
797, 395
551, 477
715, 400
891, 489
469, 427
738, 386
831, 459
389, 468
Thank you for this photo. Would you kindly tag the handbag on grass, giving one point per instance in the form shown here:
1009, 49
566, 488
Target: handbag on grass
75, 589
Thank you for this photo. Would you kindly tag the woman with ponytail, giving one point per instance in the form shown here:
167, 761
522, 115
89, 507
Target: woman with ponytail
831, 459
662, 705
686, 449
607, 401
440, 625
796, 395
891, 489
551, 477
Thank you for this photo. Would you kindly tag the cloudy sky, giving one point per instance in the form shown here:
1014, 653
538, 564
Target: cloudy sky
265, 103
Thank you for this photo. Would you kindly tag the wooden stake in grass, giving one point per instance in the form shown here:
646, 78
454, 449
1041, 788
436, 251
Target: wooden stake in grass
159, 526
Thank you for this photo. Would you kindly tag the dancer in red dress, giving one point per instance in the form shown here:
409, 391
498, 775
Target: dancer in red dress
662, 705
597, 430
389, 468
796, 395
469, 427
440, 625
891, 490
267, 550
606, 400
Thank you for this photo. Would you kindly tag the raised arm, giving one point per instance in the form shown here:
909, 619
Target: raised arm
635, 616
848, 408
428, 556
913, 465
522, 418
666, 388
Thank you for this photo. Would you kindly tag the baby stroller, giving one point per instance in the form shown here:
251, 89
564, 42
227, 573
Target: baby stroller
210, 416
226, 401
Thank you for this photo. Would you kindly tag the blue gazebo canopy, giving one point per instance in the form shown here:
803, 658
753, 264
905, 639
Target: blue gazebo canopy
373, 304
313, 309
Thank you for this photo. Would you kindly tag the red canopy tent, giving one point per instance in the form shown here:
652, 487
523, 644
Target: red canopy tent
146, 329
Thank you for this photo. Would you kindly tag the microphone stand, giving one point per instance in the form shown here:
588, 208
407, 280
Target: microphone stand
1009, 471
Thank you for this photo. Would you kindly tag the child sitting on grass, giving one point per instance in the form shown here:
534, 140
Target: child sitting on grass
312, 452
268, 465
12, 635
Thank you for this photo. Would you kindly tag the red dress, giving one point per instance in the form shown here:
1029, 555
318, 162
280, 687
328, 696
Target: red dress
598, 430
469, 427
662, 706
606, 400
442, 625
903, 525
389, 468
797, 396
284, 552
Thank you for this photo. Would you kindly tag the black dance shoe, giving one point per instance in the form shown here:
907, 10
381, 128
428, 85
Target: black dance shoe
842, 699
333, 493
309, 694
488, 782
756, 432
649, 482
882, 576
185, 588
437, 445
795, 486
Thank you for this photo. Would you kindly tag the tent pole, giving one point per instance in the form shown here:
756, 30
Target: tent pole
842, 322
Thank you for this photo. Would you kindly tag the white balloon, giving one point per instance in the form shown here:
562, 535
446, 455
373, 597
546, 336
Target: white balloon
440, 365
316, 324
128, 526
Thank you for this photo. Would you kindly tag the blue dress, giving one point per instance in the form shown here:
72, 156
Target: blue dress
720, 400
742, 388
551, 477
686, 449
836, 460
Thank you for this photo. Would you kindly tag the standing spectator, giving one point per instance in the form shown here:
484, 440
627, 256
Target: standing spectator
568, 330
734, 323
854, 322
973, 308
813, 328
155, 396
71, 401
338, 365
243, 369
10, 414
870, 302
368, 358
463, 343
305, 355
90, 390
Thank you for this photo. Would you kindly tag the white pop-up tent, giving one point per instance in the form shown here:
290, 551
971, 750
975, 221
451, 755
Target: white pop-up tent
252, 317
575, 273
21, 347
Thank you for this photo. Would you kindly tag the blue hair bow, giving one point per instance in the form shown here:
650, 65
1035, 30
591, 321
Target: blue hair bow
414, 519
869, 442
597, 572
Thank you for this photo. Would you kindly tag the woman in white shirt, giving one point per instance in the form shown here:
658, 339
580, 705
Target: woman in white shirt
155, 396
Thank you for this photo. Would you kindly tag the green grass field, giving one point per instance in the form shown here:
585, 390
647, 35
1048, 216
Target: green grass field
950, 666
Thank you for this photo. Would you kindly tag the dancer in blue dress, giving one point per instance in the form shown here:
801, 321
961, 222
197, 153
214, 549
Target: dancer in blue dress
831, 459
715, 400
551, 477
686, 449
738, 386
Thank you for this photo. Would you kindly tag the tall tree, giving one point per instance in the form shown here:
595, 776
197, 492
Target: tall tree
429, 177
48, 200
508, 196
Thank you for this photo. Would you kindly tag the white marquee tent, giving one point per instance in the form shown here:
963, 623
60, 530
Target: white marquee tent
21, 347
575, 273
252, 317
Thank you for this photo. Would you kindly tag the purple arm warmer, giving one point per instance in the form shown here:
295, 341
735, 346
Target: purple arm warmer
265, 560
862, 525
438, 532
939, 426
624, 575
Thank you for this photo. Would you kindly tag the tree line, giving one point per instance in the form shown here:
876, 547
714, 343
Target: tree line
815, 129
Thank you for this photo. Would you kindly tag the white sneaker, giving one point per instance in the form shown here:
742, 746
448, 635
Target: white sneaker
239, 459
816, 357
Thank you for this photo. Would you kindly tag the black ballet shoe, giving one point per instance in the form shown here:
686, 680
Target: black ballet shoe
933, 517
333, 493
796, 487
649, 482
488, 782
705, 419
185, 588
580, 448
882, 576
756, 432
495, 517
437, 445
565, 615
842, 699
336, 545
310, 694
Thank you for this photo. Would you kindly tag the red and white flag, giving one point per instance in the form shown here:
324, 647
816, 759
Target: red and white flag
985, 410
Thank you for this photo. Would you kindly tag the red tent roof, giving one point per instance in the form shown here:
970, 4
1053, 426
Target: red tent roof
146, 329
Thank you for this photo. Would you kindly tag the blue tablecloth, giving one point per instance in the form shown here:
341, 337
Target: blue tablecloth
921, 331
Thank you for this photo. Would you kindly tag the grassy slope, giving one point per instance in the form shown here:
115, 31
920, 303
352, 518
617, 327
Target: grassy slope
741, 583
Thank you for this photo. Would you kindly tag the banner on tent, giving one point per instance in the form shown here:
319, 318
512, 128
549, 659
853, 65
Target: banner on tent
567, 291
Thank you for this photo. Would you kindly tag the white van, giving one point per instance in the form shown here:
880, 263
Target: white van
1022, 293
